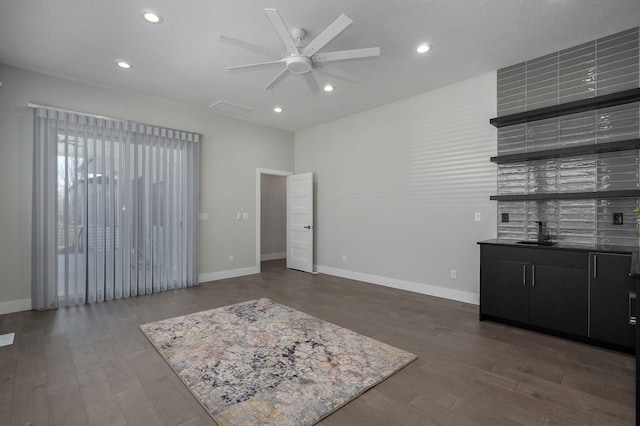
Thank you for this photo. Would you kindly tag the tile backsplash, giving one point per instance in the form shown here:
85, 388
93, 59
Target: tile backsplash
585, 128
578, 222
603, 66
611, 171
600, 67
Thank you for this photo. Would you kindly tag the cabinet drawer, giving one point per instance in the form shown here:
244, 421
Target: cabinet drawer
538, 256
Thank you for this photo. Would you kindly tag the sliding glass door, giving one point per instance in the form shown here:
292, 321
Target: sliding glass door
124, 210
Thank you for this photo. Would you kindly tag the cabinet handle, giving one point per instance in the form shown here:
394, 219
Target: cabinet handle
524, 274
595, 266
632, 298
533, 276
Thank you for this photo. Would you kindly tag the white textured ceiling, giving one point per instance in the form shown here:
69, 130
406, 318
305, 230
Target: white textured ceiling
182, 60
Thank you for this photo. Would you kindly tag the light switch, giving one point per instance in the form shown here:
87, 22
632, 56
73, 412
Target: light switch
239, 216
478, 217
245, 216
203, 216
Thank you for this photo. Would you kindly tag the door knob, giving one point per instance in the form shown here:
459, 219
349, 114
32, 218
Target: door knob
307, 227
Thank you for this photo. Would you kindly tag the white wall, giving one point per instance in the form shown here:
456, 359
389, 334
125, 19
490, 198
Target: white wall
273, 226
398, 186
230, 153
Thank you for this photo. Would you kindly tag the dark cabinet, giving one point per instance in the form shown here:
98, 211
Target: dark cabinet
504, 291
535, 287
558, 299
612, 299
588, 296
637, 340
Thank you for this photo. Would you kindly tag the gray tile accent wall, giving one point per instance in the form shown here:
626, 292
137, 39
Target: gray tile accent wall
600, 67
602, 172
607, 65
617, 62
512, 89
514, 230
578, 222
601, 126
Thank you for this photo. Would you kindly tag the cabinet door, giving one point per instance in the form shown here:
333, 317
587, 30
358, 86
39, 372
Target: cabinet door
610, 285
559, 299
504, 292
637, 332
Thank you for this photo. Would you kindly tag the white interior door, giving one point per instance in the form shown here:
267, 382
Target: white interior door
300, 222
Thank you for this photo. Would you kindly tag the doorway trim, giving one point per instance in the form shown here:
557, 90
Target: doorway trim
258, 215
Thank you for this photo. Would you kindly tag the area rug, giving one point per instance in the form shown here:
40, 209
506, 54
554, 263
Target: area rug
261, 362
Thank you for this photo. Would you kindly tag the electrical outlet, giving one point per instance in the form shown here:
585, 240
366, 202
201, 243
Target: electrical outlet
478, 217
245, 216
618, 219
454, 274
344, 257
231, 258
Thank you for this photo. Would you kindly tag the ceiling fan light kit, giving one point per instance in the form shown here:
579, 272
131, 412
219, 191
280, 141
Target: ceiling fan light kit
299, 64
301, 59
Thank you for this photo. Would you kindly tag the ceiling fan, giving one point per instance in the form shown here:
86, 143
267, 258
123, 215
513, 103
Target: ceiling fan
301, 59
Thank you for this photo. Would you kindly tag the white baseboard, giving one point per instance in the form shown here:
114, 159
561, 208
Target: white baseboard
231, 273
15, 306
273, 256
431, 290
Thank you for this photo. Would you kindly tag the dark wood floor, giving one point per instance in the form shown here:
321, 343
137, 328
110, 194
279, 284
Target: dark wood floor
92, 365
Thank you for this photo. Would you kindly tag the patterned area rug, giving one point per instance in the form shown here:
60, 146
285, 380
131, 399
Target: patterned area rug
260, 362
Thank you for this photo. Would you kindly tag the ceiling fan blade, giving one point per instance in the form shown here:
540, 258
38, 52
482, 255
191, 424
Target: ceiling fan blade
283, 32
312, 82
346, 54
259, 64
277, 79
327, 35
249, 46
340, 74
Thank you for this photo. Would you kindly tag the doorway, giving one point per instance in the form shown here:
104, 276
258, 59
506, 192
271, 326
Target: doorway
270, 208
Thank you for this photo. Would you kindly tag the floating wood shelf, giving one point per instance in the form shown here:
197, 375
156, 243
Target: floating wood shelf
604, 101
625, 145
628, 193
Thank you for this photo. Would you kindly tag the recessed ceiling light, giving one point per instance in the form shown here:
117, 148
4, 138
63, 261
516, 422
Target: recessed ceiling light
124, 65
424, 48
277, 109
152, 17
328, 88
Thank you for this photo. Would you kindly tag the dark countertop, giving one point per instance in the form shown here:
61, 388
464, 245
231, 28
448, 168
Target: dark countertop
600, 248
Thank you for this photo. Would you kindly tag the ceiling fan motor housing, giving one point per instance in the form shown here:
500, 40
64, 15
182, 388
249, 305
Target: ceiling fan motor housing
299, 64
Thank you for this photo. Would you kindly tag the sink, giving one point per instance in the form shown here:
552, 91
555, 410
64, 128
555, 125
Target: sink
537, 243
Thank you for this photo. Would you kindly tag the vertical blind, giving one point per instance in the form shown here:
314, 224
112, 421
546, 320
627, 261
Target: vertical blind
115, 209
